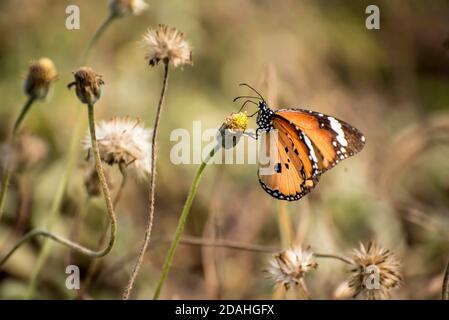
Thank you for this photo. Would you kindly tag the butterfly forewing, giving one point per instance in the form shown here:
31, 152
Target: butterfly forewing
334, 139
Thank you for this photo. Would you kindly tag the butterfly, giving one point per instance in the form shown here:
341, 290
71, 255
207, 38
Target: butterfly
305, 145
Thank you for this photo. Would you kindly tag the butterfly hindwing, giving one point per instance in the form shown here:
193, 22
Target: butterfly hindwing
294, 166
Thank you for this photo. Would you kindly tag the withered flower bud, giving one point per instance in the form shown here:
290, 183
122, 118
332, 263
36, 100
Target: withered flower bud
87, 85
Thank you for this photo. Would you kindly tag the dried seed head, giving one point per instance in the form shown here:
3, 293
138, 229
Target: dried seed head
87, 85
125, 7
41, 74
232, 129
376, 272
168, 45
289, 266
124, 142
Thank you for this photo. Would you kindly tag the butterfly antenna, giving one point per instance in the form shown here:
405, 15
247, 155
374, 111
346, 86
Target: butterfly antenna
254, 114
244, 103
247, 85
241, 97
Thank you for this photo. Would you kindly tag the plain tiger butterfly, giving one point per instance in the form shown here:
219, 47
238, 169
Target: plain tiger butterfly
307, 144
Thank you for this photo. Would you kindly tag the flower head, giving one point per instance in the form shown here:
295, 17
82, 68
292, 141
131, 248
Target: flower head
232, 129
237, 121
124, 7
124, 142
41, 74
289, 266
87, 85
166, 44
376, 272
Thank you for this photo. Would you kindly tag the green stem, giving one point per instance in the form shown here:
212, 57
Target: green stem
22, 115
109, 205
96, 37
182, 222
7, 171
149, 224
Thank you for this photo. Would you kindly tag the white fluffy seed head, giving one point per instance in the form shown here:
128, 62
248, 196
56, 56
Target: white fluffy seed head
125, 142
166, 44
289, 266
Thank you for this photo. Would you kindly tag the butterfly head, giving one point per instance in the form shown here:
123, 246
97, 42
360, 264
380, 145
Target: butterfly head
264, 116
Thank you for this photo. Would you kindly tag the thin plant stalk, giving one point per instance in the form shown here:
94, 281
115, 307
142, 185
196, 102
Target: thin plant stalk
217, 243
70, 163
109, 206
285, 225
93, 266
445, 290
100, 31
149, 224
7, 171
182, 221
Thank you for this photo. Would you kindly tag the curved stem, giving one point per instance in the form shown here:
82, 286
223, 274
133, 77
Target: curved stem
182, 222
96, 37
445, 290
71, 159
7, 171
54, 210
110, 209
149, 224
103, 183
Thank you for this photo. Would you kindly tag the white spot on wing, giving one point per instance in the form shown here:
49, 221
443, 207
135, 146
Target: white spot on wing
336, 126
311, 150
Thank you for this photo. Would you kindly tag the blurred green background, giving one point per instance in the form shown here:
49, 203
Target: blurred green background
392, 84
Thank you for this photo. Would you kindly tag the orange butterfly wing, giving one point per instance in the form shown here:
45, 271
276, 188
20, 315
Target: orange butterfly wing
335, 139
307, 144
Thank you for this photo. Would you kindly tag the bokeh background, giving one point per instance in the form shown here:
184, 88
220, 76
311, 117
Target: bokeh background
392, 84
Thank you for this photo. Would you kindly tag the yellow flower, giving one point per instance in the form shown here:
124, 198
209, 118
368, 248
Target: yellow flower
237, 121
232, 129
